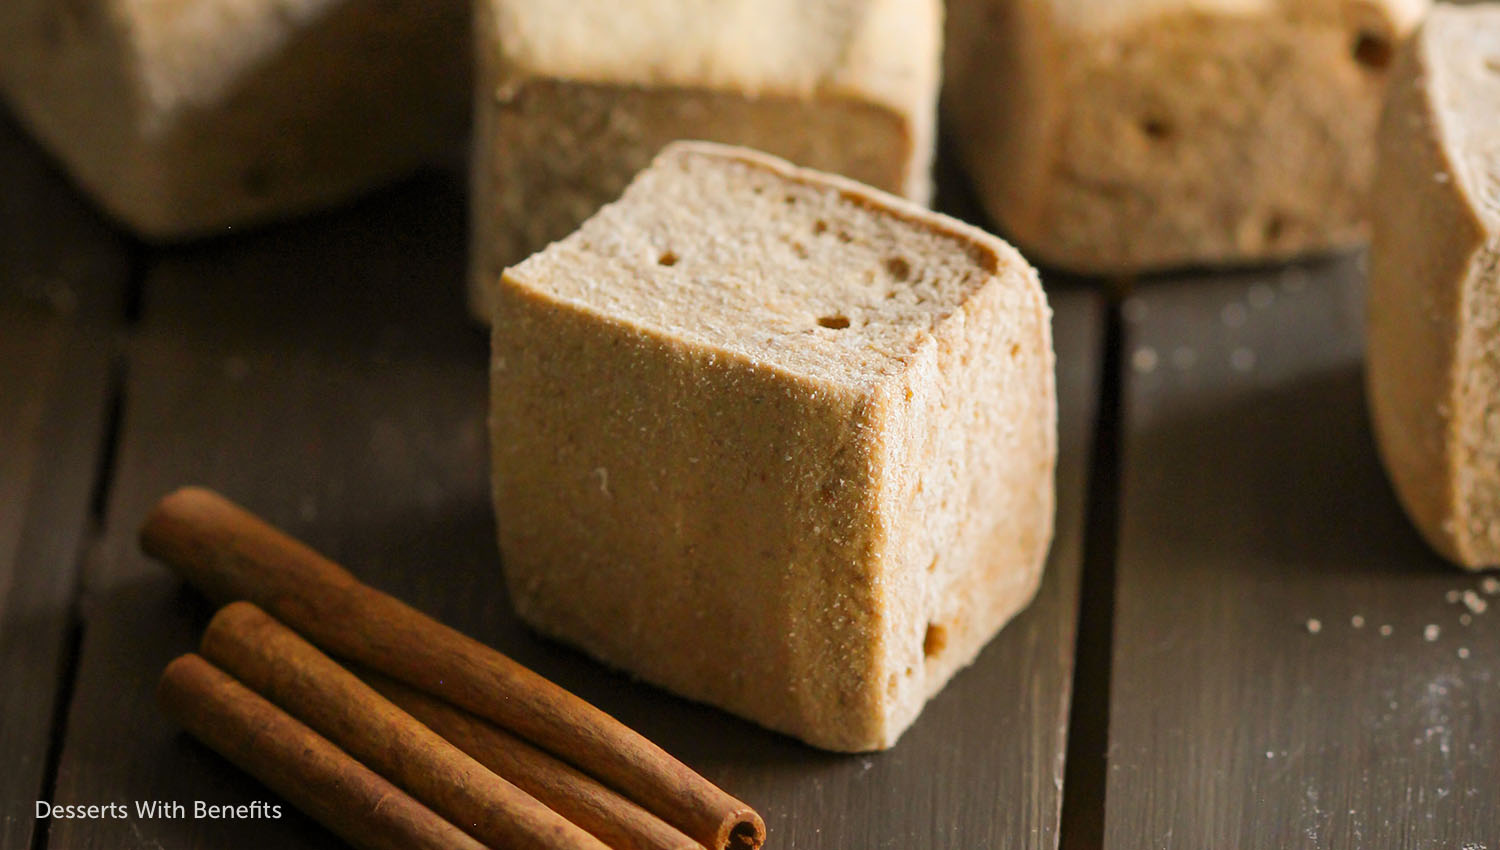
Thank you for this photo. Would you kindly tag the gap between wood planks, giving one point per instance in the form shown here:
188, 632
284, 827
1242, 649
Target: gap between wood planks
1085, 770
1087, 761
103, 481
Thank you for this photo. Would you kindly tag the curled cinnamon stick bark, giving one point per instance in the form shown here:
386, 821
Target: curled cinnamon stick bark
616, 821
317, 777
274, 661
231, 554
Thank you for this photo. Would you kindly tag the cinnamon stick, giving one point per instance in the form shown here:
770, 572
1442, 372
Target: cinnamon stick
616, 821
231, 554
317, 777
274, 661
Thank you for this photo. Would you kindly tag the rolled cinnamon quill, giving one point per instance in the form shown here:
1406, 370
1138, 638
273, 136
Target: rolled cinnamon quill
317, 777
274, 661
616, 821
231, 554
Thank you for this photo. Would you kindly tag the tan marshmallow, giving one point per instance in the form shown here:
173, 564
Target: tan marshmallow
774, 441
1124, 136
1434, 301
185, 118
573, 99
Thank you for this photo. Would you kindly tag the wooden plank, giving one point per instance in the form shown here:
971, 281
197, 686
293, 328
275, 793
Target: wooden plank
1272, 683
61, 268
57, 254
359, 425
382, 465
376, 280
320, 365
54, 388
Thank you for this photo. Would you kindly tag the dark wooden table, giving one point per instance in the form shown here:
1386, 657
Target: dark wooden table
1240, 642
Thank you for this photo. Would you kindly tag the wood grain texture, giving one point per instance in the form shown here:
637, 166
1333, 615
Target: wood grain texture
359, 427
53, 400
371, 283
1272, 683
248, 374
58, 256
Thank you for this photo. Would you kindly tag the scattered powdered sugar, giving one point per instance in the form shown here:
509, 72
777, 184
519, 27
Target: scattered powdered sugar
1357, 621
1431, 633
1464, 619
1474, 602
1453, 596
1144, 360
1490, 585
1463, 652
1314, 626
1385, 631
